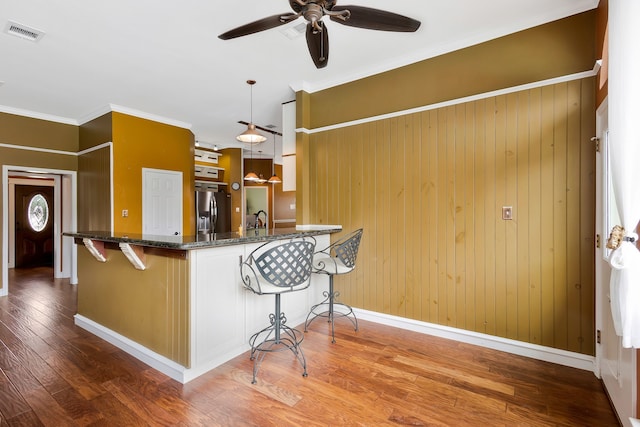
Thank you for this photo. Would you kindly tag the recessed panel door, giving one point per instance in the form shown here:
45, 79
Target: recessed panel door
162, 202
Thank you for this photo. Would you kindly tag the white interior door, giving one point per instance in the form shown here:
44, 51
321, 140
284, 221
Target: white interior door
161, 202
616, 364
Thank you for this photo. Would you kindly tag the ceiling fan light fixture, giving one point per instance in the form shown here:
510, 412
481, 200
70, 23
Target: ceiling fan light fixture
316, 33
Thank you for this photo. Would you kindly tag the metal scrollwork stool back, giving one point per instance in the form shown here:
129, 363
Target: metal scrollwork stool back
338, 258
275, 268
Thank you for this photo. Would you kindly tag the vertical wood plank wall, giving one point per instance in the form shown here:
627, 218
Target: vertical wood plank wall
150, 306
429, 188
94, 190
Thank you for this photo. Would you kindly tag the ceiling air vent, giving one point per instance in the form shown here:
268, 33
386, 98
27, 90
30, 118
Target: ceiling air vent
23, 31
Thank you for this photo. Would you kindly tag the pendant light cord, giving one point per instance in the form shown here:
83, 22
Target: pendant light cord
251, 97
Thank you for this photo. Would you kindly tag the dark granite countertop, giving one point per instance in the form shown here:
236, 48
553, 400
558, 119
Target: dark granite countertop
203, 241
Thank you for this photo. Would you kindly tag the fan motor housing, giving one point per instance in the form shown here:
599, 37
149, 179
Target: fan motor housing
325, 4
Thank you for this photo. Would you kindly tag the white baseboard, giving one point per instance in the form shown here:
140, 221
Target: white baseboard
184, 375
548, 354
151, 358
157, 361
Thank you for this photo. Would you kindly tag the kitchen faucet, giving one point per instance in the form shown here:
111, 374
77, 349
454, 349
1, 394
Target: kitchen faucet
266, 221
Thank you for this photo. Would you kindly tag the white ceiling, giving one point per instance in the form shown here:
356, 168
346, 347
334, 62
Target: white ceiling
163, 58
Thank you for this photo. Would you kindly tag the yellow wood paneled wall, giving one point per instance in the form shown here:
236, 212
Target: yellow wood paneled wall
429, 188
150, 306
94, 190
35, 133
231, 161
140, 143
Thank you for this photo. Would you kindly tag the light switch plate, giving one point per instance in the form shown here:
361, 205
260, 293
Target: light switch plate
125, 213
507, 213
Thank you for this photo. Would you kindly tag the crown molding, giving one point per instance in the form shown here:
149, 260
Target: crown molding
114, 108
37, 115
94, 115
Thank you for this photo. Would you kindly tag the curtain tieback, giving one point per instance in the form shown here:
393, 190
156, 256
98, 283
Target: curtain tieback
618, 235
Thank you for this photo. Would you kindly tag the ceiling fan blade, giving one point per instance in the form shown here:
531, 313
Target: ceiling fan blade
318, 43
376, 19
257, 26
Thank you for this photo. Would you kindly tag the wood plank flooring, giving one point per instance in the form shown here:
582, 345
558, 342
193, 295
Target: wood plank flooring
56, 374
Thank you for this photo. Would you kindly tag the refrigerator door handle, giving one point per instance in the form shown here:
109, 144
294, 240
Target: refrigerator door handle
214, 213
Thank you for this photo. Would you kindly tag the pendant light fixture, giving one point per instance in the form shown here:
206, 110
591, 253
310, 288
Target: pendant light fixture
251, 135
275, 179
251, 176
261, 178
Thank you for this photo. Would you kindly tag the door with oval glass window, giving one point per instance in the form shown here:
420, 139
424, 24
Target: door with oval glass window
34, 226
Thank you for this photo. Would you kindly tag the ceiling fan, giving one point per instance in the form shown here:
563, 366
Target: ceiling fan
317, 36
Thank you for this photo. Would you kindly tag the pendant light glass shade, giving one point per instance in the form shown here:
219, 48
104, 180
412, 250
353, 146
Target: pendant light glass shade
251, 176
251, 135
275, 179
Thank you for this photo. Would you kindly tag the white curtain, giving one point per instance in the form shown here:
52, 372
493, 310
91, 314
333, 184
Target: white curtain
624, 139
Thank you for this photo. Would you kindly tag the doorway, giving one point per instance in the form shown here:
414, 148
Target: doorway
256, 199
615, 365
62, 212
33, 224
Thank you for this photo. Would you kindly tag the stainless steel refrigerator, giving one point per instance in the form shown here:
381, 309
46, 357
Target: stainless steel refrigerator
213, 212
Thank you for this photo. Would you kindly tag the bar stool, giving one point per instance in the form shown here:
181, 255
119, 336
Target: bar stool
337, 258
275, 268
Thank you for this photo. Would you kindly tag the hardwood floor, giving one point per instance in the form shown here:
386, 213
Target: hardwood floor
56, 374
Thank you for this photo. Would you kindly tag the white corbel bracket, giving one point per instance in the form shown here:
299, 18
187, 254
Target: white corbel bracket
135, 255
96, 248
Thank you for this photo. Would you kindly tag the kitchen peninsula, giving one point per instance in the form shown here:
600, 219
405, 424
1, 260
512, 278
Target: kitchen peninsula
177, 302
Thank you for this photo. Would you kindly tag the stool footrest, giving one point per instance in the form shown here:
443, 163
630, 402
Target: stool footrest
330, 309
275, 338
